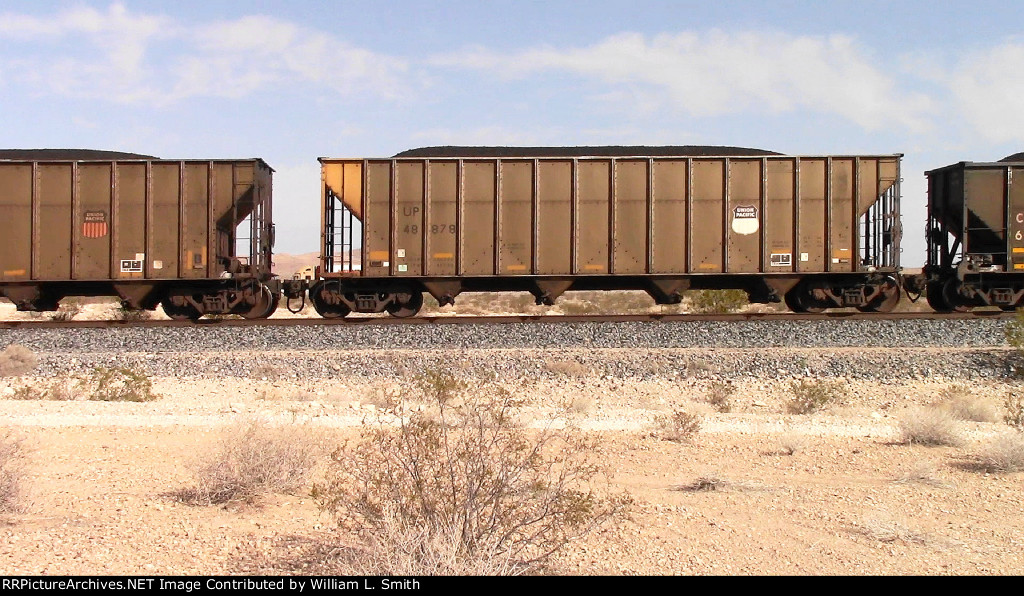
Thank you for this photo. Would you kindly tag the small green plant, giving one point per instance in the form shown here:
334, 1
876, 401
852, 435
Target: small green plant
720, 394
16, 360
1014, 415
931, 426
127, 313
462, 488
810, 395
1014, 331
12, 472
253, 460
119, 383
717, 301
680, 427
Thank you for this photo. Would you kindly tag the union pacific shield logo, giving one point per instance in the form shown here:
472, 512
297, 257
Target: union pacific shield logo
95, 225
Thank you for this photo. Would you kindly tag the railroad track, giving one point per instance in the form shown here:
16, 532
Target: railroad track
506, 319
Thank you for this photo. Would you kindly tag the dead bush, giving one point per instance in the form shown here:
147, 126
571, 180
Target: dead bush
251, 461
680, 427
17, 360
569, 368
963, 405
930, 426
12, 472
463, 488
883, 527
811, 395
720, 396
1005, 453
1014, 415
68, 309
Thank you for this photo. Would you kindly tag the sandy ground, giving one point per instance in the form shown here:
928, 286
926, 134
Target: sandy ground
835, 492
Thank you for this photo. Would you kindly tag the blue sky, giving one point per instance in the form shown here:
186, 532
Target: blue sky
292, 81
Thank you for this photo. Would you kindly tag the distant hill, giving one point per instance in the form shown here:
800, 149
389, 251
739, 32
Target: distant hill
285, 264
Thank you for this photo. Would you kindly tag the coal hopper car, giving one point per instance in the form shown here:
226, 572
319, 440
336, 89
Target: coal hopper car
814, 231
194, 236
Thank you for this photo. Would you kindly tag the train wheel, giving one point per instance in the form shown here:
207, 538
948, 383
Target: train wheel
951, 296
799, 299
935, 298
326, 309
264, 307
406, 304
181, 313
886, 301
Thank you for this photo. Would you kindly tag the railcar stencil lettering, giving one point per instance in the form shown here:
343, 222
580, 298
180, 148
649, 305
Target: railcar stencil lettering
744, 220
94, 224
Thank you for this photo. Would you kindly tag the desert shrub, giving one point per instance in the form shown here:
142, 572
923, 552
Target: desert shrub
717, 301
1014, 415
68, 309
12, 472
960, 402
680, 426
102, 384
1005, 453
569, 368
792, 442
1014, 331
719, 395
126, 313
809, 396
251, 461
461, 487
119, 383
883, 527
266, 371
930, 426
16, 360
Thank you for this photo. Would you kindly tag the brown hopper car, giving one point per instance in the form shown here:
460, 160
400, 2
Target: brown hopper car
975, 235
147, 230
815, 231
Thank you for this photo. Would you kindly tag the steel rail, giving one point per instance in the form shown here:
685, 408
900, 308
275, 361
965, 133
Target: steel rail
356, 320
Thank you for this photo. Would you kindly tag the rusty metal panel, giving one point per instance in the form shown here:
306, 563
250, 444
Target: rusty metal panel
554, 217
129, 220
811, 224
162, 255
53, 221
16, 223
222, 207
515, 213
407, 256
194, 220
744, 216
1015, 197
669, 227
706, 226
377, 219
442, 217
478, 228
841, 243
593, 205
778, 216
984, 190
630, 209
91, 231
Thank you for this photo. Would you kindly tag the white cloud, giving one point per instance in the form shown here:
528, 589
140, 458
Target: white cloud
134, 58
988, 89
714, 73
